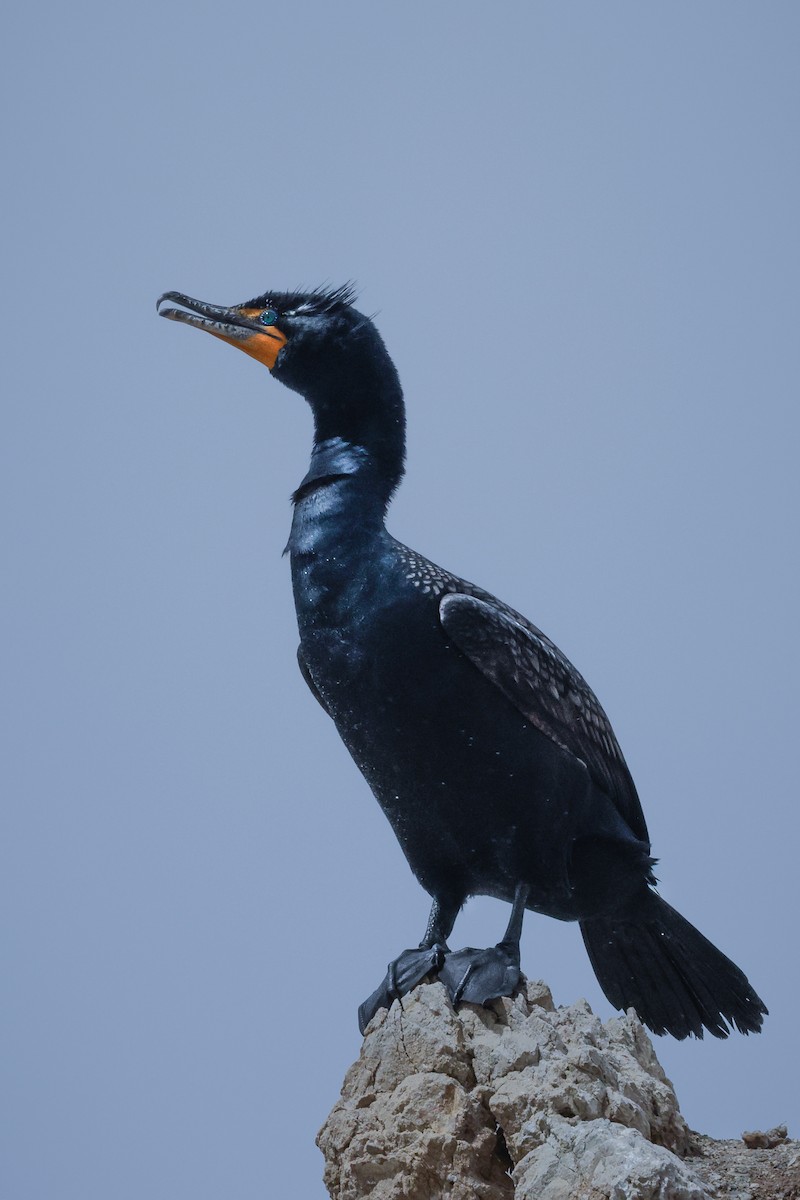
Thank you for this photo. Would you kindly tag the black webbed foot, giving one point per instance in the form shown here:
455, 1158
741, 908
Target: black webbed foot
407, 970
478, 976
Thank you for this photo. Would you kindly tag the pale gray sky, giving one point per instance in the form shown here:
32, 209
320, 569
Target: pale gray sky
578, 224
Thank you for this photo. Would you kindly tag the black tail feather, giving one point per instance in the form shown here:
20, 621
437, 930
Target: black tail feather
652, 960
665, 989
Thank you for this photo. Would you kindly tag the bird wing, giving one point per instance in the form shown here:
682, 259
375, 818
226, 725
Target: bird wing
544, 686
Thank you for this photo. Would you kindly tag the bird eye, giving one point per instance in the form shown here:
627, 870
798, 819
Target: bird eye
268, 316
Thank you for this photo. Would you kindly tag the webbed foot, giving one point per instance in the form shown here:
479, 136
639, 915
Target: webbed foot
409, 969
478, 976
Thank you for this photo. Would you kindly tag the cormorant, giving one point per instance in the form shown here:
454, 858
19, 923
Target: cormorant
486, 749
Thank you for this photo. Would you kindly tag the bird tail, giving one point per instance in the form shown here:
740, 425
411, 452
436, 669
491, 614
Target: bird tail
651, 959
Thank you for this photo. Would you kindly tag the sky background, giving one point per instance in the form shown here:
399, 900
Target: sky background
577, 223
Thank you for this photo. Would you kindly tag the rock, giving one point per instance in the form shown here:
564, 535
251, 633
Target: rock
602, 1159
733, 1172
518, 1099
757, 1140
411, 1121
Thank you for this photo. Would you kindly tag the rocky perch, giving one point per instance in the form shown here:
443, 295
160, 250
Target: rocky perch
525, 1100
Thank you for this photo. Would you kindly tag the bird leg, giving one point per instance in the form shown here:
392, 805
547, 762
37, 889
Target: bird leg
477, 976
411, 967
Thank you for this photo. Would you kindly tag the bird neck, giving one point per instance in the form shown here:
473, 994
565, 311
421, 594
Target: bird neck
338, 531
358, 403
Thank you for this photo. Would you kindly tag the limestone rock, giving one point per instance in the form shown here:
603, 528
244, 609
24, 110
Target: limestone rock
518, 1099
758, 1139
734, 1171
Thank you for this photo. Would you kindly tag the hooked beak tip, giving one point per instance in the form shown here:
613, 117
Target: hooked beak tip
177, 297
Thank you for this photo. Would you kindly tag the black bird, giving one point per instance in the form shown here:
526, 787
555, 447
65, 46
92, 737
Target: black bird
486, 749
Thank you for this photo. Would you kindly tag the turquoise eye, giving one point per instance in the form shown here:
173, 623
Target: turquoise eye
268, 316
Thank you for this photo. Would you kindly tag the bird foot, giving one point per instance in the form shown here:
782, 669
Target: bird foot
409, 969
477, 976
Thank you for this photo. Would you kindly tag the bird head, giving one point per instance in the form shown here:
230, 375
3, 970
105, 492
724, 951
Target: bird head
319, 345
301, 337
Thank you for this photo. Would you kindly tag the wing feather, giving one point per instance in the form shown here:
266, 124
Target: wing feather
545, 687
